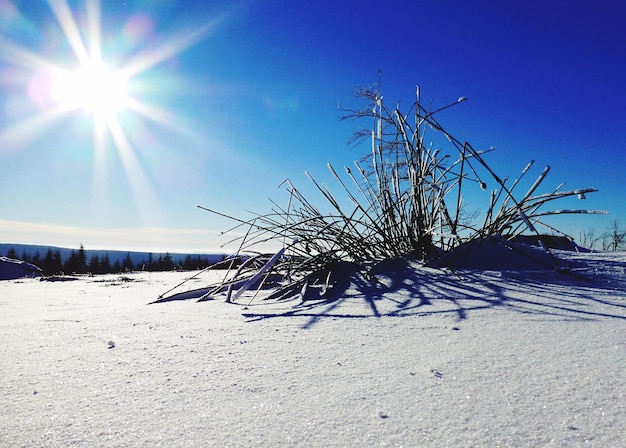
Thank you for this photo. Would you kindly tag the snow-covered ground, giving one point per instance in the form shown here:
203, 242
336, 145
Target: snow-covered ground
429, 358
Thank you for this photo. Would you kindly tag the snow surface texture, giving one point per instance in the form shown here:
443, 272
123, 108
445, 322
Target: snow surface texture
495, 358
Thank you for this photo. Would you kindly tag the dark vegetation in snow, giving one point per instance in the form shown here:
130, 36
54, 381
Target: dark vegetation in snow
404, 198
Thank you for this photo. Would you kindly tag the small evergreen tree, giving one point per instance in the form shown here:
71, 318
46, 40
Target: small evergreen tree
82, 260
47, 266
36, 259
105, 264
57, 262
12, 253
127, 264
168, 262
94, 265
71, 264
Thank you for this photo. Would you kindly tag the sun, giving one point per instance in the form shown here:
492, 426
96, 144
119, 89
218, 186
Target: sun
92, 87
95, 71
97, 84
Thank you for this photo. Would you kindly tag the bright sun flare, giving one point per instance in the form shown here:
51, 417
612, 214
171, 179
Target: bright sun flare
92, 87
96, 77
89, 83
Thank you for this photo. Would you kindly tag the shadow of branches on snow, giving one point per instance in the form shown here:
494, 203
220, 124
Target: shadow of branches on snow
400, 289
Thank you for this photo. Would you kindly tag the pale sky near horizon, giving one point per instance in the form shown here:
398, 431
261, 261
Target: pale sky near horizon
223, 100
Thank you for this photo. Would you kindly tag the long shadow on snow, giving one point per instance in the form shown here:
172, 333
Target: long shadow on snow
402, 288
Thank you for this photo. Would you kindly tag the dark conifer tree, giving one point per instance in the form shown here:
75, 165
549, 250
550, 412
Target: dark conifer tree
36, 259
57, 265
127, 264
82, 260
71, 264
105, 265
168, 263
48, 263
94, 264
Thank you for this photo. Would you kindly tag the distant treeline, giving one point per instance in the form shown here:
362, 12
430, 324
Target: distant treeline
78, 262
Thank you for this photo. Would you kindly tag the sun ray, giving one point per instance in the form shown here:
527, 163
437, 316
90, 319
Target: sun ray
140, 185
165, 117
19, 135
64, 16
95, 32
169, 48
99, 165
18, 56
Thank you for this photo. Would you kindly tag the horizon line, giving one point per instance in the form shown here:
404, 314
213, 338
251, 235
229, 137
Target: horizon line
137, 239
89, 249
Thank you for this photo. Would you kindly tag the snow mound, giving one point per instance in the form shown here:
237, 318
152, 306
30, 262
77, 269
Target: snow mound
11, 269
495, 253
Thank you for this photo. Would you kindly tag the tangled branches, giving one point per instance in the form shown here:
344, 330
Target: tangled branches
404, 197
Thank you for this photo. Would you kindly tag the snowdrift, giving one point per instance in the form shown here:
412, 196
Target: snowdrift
12, 269
495, 253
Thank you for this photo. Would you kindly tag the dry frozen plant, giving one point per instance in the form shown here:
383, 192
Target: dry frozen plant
404, 198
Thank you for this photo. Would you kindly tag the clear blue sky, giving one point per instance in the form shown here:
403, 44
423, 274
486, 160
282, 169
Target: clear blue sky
227, 99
